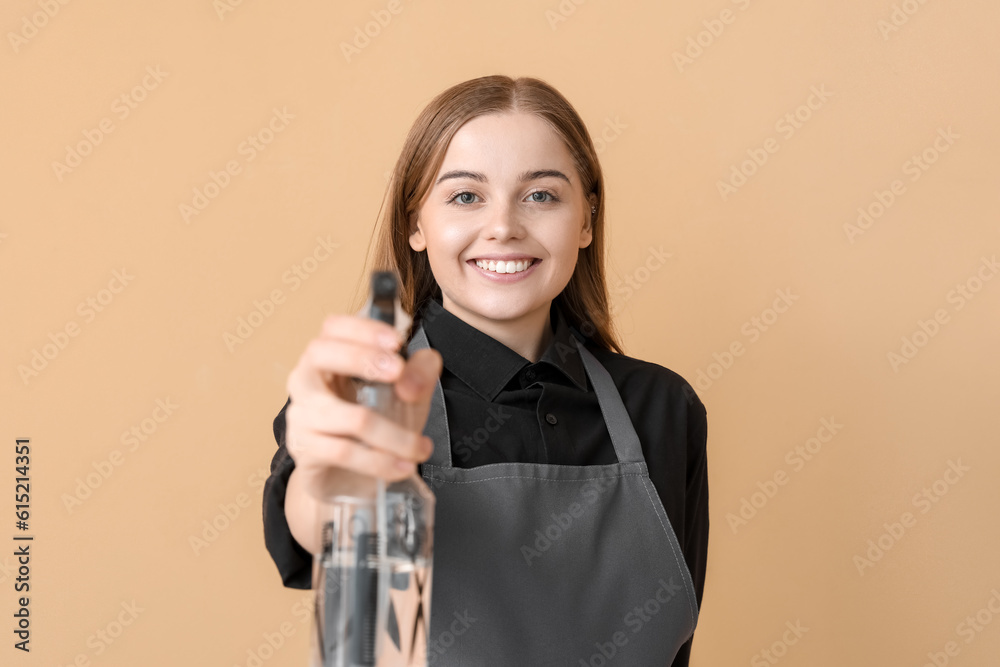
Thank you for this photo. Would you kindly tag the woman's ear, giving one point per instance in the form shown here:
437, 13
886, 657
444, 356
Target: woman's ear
587, 233
417, 240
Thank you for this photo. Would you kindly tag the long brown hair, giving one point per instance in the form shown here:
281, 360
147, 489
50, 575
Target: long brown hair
584, 300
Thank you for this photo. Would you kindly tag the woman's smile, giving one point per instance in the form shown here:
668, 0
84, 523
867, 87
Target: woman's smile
505, 271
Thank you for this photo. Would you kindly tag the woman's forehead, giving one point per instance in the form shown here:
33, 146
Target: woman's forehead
505, 146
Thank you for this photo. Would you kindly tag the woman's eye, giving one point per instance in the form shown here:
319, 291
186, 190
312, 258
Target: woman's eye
462, 198
541, 200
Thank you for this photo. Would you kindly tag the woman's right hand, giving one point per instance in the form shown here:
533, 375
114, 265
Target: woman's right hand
327, 432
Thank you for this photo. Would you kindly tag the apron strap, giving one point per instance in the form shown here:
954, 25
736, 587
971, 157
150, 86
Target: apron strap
437, 420
626, 442
623, 435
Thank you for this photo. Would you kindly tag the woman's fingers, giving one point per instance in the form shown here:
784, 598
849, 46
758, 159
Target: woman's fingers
320, 453
330, 416
326, 428
326, 365
357, 329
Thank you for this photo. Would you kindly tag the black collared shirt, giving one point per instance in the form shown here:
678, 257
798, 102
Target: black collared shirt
544, 412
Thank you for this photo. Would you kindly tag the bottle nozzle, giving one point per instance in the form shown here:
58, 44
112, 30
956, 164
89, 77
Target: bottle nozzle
384, 292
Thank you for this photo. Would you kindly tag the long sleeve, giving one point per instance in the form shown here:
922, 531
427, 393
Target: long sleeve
695, 545
293, 561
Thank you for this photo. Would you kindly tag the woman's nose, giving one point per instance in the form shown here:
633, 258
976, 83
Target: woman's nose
504, 221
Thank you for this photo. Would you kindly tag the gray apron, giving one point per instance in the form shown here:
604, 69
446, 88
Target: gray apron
539, 564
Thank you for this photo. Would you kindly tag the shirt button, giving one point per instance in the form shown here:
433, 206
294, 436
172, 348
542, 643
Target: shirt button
530, 375
550, 418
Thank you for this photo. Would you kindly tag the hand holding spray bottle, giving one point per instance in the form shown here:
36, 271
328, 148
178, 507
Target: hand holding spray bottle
373, 577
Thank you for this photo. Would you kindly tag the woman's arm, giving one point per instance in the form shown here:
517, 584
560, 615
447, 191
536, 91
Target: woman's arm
696, 497
695, 544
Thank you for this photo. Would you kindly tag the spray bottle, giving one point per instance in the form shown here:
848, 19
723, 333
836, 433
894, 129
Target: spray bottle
373, 577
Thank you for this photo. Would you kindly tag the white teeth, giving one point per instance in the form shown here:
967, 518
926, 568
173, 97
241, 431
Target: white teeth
504, 267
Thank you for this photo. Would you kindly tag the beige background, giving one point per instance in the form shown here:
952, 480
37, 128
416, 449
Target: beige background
671, 131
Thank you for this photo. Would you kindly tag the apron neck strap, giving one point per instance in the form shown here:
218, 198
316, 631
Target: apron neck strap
623, 435
437, 420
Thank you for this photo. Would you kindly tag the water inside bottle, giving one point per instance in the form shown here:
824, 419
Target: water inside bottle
346, 628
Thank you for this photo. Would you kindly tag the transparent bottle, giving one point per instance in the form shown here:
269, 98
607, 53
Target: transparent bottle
373, 577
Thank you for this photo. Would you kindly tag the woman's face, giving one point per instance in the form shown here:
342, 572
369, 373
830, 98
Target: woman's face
507, 189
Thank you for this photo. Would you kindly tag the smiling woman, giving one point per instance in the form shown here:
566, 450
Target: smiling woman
498, 152
508, 198
571, 483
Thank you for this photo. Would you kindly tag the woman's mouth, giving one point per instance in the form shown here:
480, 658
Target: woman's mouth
505, 271
501, 266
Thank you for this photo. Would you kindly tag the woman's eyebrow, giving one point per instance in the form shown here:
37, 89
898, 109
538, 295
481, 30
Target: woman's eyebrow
525, 177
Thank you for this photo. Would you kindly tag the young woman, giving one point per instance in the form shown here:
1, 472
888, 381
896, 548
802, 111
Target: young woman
571, 522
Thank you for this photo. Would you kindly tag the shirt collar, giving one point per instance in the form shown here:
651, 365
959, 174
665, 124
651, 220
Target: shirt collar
486, 364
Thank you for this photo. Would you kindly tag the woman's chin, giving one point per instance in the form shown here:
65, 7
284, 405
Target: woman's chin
500, 307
